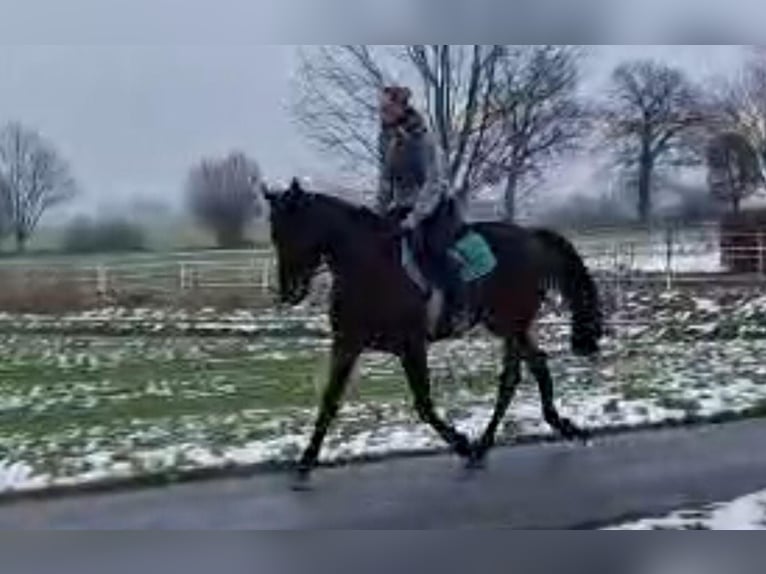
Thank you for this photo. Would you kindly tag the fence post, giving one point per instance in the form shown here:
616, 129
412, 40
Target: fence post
102, 282
182, 276
266, 275
669, 257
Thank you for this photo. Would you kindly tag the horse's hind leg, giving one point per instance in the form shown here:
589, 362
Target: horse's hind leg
415, 363
343, 359
538, 366
509, 381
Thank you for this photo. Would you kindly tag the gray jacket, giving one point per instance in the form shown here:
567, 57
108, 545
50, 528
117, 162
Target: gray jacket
412, 177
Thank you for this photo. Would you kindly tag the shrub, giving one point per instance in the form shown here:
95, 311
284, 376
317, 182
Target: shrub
109, 236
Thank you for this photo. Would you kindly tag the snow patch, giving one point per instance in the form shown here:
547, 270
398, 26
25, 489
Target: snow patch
746, 513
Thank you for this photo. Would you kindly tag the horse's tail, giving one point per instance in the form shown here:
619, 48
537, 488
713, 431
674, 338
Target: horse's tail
568, 273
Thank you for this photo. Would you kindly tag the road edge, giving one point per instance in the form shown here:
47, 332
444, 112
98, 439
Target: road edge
239, 471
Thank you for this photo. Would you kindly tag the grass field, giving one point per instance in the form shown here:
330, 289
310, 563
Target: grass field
77, 406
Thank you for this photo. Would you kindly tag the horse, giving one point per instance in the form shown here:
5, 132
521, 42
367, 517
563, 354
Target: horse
376, 305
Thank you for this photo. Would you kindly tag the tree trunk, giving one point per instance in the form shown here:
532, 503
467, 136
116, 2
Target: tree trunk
645, 170
511, 185
21, 241
735, 205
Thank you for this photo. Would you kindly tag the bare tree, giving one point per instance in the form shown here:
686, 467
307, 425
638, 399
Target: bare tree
34, 179
339, 92
738, 105
5, 209
733, 169
222, 196
539, 117
652, 108
499, 113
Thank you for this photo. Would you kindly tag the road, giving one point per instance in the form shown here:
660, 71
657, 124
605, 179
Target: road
535, 486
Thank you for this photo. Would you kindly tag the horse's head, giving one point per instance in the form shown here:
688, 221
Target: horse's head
298, 239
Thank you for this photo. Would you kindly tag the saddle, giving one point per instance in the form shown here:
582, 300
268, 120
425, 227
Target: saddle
475, 260
471, 250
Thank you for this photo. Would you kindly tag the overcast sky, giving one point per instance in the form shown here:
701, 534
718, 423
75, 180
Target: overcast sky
132, 104
132, 119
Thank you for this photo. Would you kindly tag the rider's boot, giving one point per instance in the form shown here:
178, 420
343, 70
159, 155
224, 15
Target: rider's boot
455, 315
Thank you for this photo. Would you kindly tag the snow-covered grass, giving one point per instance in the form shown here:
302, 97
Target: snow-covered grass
82, 405
746, 513
162, 321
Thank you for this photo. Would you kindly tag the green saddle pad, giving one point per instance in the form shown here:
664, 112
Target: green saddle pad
475, 254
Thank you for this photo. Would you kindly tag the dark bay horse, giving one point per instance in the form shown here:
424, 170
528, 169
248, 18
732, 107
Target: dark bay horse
375, 305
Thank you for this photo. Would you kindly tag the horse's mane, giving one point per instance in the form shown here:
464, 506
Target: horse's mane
360, 214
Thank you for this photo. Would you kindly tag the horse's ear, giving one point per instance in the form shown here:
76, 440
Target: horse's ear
270, 196
295, 187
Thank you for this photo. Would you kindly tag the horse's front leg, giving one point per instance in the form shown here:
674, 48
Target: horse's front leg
509, 381
415, 363
344, 356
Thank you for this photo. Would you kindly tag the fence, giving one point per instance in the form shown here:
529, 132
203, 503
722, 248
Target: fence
216, 279
675, 254
231, 279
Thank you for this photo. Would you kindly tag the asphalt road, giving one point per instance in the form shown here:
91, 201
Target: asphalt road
543, 486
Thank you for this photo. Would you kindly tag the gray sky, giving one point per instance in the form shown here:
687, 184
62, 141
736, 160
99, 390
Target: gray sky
132, 118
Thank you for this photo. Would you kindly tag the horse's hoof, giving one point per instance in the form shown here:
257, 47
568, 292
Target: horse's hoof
572, 432
462, 447
301, 482
476, 463
477, 460
301, 485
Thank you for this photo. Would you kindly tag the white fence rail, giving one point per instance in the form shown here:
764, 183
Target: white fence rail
244, 275
666, 255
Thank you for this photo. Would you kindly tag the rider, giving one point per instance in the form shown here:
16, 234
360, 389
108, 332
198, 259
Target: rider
413, 187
